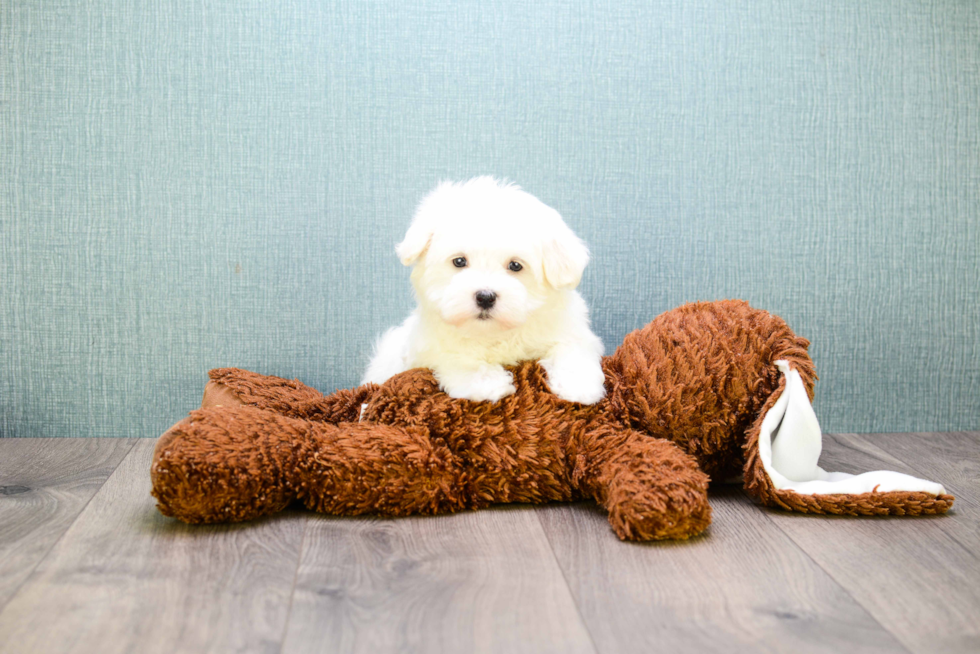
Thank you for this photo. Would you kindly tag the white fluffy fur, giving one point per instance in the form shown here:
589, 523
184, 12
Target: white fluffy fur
537, 313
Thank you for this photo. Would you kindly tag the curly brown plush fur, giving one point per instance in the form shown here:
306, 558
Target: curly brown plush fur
685, 395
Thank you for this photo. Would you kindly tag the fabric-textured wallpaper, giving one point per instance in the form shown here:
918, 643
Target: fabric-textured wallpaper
193, 184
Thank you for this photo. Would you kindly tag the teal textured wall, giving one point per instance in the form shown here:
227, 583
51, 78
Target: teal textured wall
186, 185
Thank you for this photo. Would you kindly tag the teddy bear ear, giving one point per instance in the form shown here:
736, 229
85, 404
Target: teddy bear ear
564, 257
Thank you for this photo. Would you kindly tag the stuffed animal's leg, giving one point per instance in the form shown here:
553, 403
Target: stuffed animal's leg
227, 464
232, 386
781, 468
651, 488
217, 465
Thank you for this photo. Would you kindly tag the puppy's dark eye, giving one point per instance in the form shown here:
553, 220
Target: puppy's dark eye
459, 262
513, 266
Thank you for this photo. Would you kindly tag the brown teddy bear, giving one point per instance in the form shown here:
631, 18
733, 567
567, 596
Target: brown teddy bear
708, 390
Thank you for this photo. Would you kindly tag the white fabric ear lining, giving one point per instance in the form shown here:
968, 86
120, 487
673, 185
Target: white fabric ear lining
790, 442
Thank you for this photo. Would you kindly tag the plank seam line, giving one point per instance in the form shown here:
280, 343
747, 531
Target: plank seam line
50, 549
827, 572
564, 577
292, 589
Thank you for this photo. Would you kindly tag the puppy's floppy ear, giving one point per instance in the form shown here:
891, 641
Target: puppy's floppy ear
416, 241
419, 235
564, 257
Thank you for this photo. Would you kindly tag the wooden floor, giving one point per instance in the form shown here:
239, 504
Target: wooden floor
87, 564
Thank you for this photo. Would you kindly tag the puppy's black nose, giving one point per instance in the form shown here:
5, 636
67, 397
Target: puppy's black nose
485, 299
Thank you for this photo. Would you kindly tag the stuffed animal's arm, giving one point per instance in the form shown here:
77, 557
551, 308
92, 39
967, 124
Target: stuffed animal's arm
230, 386
651, 488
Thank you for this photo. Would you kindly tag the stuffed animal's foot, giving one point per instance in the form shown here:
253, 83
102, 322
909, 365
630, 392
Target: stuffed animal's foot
666, 499
651, 488
288, 397
229, 464
212, 467
217, 394
261, 391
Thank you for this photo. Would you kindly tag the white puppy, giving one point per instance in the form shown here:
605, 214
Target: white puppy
494, 274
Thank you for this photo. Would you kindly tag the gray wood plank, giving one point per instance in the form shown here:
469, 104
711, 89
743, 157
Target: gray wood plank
44, 484
124, 578
472, 582
742, 587
919, 577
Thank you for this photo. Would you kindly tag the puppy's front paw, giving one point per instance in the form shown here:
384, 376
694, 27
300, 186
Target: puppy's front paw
576, 379
487, 383
578, 392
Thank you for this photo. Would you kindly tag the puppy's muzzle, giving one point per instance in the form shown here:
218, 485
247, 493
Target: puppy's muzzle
485, 299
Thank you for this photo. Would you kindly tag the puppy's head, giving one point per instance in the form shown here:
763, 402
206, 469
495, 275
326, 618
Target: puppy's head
486, 254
